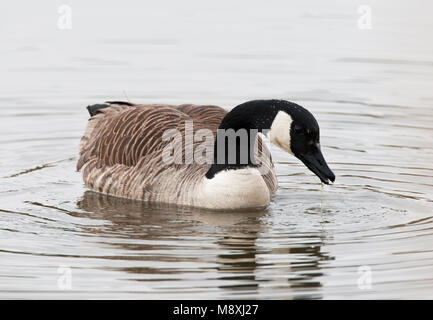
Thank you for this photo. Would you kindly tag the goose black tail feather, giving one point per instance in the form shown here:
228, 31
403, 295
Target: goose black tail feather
122, 103
93, 109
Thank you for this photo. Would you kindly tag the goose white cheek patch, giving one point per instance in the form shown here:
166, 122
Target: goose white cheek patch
280, 131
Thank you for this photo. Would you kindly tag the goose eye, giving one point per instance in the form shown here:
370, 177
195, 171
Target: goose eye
298, 129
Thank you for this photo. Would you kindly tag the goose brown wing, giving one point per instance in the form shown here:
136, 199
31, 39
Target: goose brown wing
124, 134
204, 116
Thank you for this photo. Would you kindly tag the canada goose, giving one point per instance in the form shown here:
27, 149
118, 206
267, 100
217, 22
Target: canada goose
123, 148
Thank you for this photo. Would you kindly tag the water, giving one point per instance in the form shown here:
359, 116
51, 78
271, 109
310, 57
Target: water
371, 91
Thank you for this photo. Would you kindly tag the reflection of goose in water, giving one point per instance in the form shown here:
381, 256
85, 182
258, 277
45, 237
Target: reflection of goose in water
155, 217
122, 152
230, 250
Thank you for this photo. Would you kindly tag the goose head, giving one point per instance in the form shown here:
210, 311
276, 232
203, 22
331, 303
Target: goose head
296, 131
287, 125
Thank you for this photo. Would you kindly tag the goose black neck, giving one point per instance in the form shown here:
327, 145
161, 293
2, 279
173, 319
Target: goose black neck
234, 142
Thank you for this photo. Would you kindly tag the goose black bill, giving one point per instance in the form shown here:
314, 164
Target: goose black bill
317, 164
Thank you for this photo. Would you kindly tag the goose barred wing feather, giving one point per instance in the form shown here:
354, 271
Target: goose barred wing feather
208, 116
121, 151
